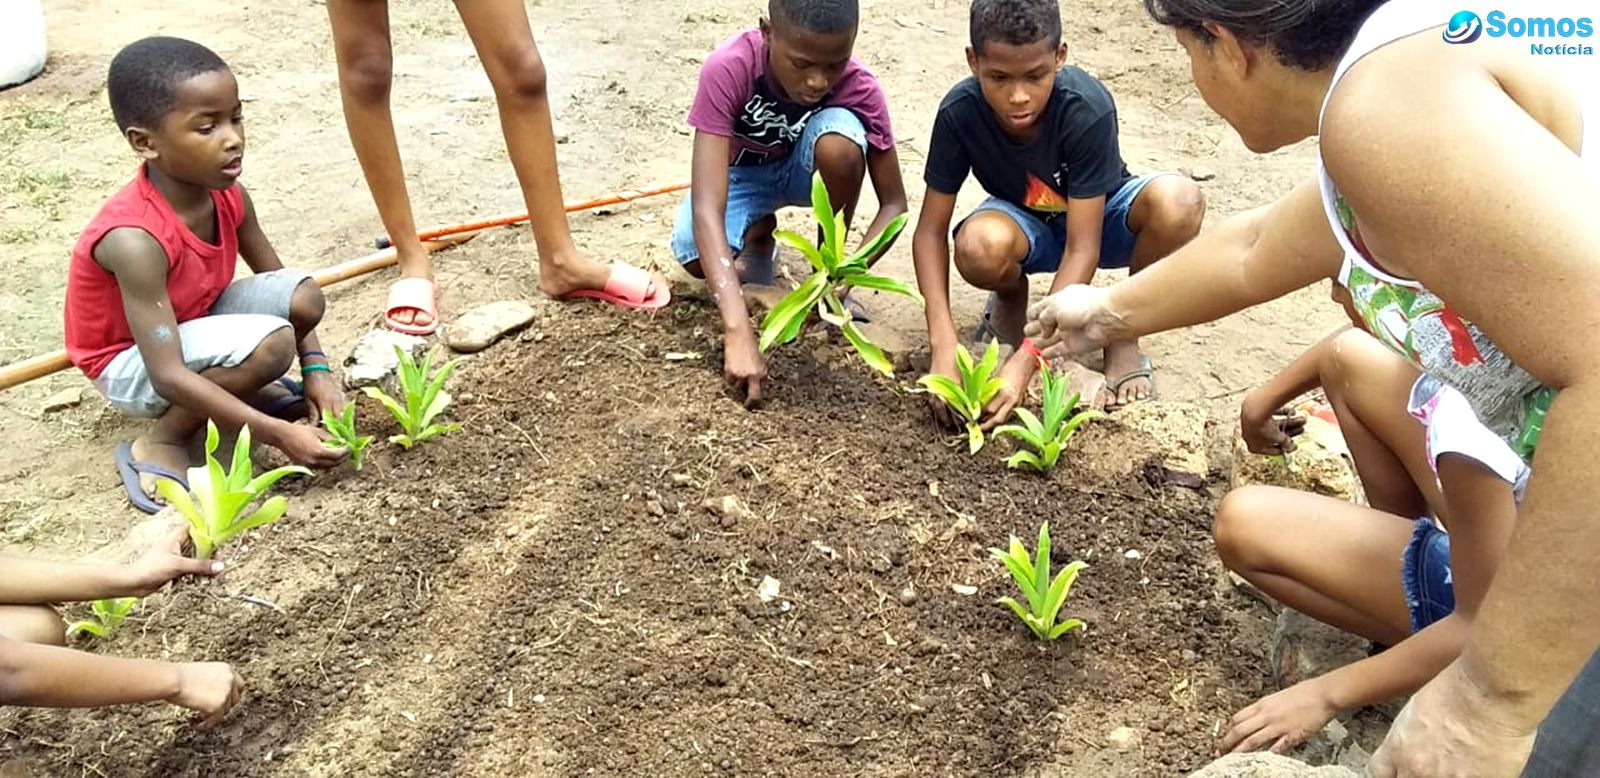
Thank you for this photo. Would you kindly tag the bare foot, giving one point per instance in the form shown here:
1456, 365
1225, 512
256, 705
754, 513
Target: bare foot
172, 456
1122, 361
414, 267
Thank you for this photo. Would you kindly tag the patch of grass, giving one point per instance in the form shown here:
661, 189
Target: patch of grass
18, 235
45, 191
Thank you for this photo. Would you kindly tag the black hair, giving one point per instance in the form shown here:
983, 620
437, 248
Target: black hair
144, 78
1305, 34
820, 16
1017, 22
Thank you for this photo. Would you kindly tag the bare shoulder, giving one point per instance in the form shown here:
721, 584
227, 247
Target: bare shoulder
130, 249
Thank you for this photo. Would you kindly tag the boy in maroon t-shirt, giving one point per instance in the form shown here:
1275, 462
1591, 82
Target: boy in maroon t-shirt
153, 315
775, 105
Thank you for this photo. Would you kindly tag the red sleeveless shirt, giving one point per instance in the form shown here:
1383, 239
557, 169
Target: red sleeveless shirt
197, 272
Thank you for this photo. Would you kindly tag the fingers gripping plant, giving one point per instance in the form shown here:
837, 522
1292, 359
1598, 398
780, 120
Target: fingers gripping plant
108, 616
425, 399
342, 430
834, 268
1050, 436
1045, 596
220, 497
978, 386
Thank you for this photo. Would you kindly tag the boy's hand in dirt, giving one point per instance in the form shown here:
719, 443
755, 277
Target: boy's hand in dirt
211, 688
322, 394
1017, 373
165, 562
1269, 431
743, 367
303, 445
944, 363
1279, 721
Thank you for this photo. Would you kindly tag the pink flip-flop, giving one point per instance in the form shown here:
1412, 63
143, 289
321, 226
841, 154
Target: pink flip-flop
629, 287
412, 294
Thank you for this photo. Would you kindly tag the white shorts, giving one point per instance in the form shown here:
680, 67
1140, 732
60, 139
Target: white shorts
248, 311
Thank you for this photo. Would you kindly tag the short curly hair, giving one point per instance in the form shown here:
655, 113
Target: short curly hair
819, 16
144, 78
1306, 34
1016, 22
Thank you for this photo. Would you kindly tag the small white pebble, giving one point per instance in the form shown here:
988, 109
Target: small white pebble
1133, 554
538, 698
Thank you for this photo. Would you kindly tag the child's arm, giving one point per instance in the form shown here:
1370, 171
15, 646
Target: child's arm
47, 676
321, 390
743, 366
25, 581
887, 183
1081, 257
140, 266
1264, 431
1482, 512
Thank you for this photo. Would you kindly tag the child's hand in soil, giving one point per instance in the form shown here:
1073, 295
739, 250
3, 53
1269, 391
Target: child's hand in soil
165, 562
944, 363
322, 394
1280, 721
743, 367
211, 688
1017, 373
1267, 430
303, 444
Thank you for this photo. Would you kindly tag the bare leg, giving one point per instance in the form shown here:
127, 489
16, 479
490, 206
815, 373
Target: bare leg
499, 30
1368, 386
362, 46
1336, 562
166, 442
1166, 215
32, 624
989, 251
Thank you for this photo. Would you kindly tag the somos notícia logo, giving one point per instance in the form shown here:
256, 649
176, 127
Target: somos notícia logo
1466, 27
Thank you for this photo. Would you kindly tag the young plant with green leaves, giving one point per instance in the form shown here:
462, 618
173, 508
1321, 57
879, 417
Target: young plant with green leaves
342, 433
1045, 596
834, 270
217, 499
978, 386
108, 616
425, 399
1047, 437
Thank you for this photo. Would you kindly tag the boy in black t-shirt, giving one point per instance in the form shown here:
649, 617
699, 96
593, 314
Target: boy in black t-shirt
1042, 141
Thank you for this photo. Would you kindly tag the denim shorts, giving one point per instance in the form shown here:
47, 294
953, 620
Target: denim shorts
249, 310
758, 191
1047, 238
1425, 573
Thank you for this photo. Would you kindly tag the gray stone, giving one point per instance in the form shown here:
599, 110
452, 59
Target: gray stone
372, 360
1304, 648
1125, 739
480, 327
64, 399
1268, 766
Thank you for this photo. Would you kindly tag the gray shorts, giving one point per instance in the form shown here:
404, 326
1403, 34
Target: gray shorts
248, 311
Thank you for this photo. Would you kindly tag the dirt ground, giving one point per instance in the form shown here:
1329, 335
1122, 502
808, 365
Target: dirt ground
524, 557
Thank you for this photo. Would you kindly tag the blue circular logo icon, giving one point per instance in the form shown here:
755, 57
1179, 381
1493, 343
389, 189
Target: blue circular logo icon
1464, 27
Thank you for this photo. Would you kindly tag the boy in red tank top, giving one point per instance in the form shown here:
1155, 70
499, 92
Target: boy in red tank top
153, 314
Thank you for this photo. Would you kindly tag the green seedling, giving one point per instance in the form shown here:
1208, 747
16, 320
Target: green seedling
834, 270
1049, 437
108, 616
1045, 596
425, 399
978, 386
342, 430
220, 498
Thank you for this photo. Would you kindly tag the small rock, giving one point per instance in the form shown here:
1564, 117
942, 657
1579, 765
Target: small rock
1202, 173
64, 399
1124, 739
1267, 766
769, 589
682, 479
372, 359
1189, 657
654, 508
480, 327
964, 589
908, 596
730, 509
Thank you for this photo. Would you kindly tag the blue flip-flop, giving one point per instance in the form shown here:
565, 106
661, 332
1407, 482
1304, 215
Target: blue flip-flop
130, 469
284, 407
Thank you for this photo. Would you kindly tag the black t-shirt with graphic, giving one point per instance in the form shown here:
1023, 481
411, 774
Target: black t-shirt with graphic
1075, 153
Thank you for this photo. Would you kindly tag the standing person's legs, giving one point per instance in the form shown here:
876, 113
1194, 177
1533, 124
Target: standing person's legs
364, 51
504, 40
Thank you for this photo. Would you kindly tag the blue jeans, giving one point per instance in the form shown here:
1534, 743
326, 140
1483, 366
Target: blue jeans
1425, 574
758, 191
1047, 239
